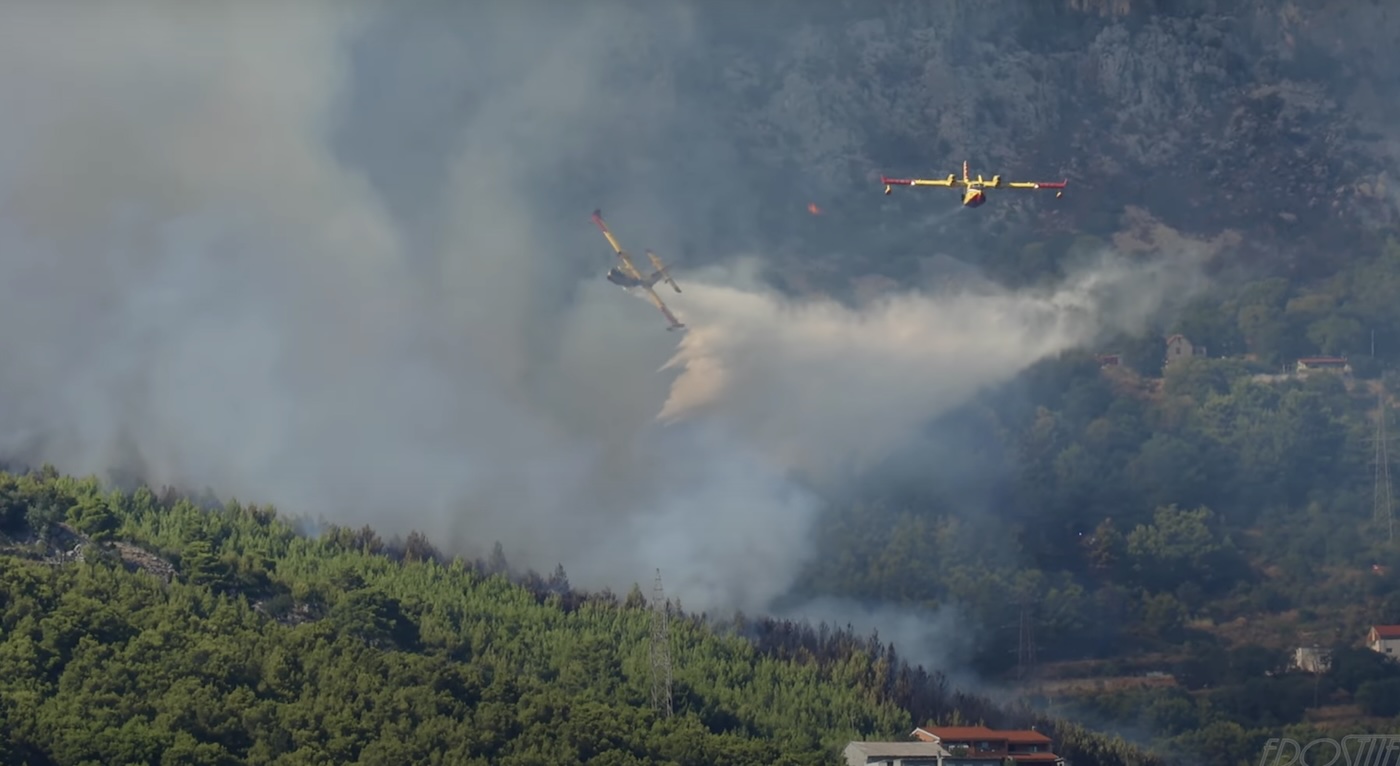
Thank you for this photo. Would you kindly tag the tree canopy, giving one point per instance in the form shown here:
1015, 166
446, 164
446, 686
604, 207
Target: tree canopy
137, 628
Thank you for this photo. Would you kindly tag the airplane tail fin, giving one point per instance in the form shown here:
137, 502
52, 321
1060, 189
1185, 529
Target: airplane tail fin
662, 273
966, 178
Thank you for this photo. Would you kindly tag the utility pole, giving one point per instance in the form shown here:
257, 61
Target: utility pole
1382, 502
660, 650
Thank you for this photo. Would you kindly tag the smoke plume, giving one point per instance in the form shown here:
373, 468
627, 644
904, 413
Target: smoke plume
338, 258
827, 387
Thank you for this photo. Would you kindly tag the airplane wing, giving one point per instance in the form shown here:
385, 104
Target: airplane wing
1057, 186
947, 183
656, 300
1037, 184
626, 262
662, 273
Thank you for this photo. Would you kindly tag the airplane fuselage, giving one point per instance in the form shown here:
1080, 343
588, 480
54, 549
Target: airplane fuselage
973, 198
617, 277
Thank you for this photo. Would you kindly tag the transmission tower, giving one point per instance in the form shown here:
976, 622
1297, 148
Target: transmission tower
660, 650
1025, 638
1025, 653
1383, 504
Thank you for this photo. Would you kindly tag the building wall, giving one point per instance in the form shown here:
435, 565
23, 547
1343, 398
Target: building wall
1387, 646
1180, 347
1341, 368
924, 755
1311, 659
858, 759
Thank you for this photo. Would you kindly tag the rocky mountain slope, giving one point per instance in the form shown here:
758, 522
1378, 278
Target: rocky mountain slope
716, 124
1271, 119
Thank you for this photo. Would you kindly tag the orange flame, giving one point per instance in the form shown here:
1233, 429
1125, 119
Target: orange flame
813, 209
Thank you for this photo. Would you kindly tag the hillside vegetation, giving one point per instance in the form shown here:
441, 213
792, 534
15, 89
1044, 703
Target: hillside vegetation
1195, 523
143, 629
1199, 520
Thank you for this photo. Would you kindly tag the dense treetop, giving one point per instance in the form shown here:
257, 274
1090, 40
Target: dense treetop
142, 629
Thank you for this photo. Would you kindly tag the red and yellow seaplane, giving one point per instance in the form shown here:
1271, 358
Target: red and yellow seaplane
974, 194
626, 275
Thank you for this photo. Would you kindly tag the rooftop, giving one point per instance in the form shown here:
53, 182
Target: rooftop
955, 732
1386, 631
963, 733
1323, 360
898, 749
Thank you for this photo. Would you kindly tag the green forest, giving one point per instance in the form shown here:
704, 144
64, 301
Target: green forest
1200, 519
144, 627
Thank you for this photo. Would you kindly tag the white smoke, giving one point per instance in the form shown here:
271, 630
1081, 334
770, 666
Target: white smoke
201, 281
817, 385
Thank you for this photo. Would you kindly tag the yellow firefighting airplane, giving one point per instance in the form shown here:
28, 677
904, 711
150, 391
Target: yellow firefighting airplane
974, 195
627, 276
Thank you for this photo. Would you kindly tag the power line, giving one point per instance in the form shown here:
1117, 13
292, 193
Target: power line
660, 650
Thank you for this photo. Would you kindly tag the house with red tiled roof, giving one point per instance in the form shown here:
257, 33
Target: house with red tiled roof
1384, 639
982, 746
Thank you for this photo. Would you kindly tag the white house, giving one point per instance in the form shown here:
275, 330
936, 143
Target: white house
1323, 363
1312, 659
1178, 347
1384, 639
894, 754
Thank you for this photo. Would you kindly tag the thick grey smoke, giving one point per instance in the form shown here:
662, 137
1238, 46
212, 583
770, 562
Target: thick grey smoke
204, 279
935, 639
